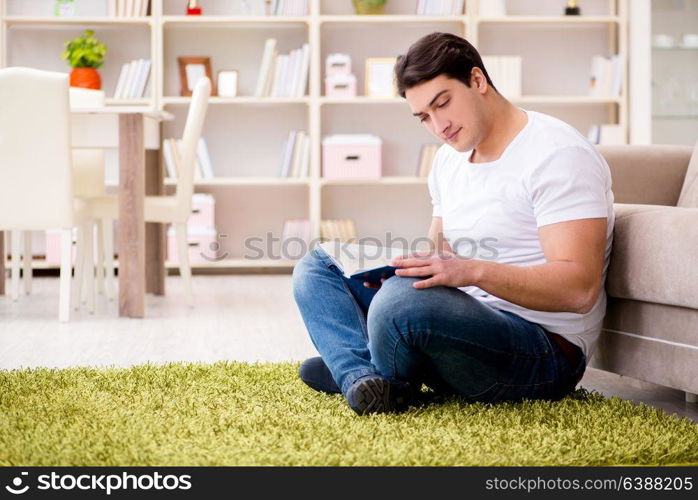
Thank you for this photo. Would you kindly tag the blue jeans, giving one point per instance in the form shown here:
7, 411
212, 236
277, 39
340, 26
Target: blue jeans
438, 336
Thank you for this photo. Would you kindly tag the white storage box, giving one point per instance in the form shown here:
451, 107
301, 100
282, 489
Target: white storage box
203, 211
337, 64
348, 156
340, 86
202, 242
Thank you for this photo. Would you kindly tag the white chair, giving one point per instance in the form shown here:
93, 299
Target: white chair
36, 192
169, 209
88, 182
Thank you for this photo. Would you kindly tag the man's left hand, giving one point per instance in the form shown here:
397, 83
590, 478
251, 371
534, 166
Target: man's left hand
444, 269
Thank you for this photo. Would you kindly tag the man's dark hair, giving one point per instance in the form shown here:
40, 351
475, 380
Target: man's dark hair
438, 54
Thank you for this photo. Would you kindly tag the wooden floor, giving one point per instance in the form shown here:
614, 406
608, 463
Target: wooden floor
236, 317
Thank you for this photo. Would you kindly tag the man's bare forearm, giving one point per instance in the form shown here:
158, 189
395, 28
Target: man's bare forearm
555, 286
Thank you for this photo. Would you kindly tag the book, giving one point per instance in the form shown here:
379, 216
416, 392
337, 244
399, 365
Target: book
204, 159
118, 91
265, 67
167, 154
305, 66
355, 259
297, 154
374, 275
287, 154
142, 80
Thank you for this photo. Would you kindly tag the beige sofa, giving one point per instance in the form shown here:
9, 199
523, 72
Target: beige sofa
651, 325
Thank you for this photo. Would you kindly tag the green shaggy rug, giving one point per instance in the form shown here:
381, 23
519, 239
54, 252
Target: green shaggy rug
262, 414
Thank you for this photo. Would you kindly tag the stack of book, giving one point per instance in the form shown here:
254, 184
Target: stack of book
128, 8
426, 159
606, 76
283, 75
295, 158
295, 238
289, 8
171, 151
338, 229
505, 73
133, 79
440, 7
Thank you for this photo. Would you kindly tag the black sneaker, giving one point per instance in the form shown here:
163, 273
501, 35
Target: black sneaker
378, 394
315, 374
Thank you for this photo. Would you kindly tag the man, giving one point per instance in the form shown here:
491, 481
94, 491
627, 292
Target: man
511, 305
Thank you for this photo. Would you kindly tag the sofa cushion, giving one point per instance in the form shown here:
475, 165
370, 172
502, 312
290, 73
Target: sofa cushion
654, 255
689, 191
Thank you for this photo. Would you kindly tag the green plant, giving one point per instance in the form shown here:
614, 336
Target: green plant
85, 51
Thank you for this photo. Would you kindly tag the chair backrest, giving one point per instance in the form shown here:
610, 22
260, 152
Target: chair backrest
35, 165
190, 140
88, 164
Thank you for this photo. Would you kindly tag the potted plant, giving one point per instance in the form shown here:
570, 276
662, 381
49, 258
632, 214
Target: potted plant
369, 6
85, 54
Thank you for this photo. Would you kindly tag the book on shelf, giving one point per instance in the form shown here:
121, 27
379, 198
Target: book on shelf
133, 79
295, 156
440, 7
283, 75
338, 229
606, 134
295, 237
426, 159
606, 76
289, 8
128, 8
506, 73
171, 148
265, 68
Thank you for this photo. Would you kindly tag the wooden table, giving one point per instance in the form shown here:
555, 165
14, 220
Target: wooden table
98, 128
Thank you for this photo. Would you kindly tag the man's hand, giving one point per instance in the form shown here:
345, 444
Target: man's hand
440, 269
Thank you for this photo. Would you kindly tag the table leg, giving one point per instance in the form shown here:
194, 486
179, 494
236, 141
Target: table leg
131, 221
154, 231
2, 263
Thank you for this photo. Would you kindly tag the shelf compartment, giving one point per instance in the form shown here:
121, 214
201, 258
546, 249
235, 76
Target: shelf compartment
239, 100
47, 21
383, 181
183, 21
551, 20
384, 19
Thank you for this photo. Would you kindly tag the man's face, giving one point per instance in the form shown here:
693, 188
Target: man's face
452, 111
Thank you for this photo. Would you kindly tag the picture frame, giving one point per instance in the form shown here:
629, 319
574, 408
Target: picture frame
380, 80
190, 70
227, 82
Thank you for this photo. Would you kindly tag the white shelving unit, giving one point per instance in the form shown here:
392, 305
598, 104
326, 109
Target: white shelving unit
245, 134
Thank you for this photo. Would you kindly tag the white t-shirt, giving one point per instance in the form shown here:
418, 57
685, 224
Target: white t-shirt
549, 173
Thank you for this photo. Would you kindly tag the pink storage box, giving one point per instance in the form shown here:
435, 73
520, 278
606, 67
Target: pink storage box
337, 64
53, 247
351, 157
203, 210
340, 86
202, 243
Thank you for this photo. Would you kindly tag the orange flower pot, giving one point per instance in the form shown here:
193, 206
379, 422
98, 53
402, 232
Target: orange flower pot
87, 78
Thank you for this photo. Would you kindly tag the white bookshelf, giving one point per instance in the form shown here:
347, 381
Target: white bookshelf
245, 134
